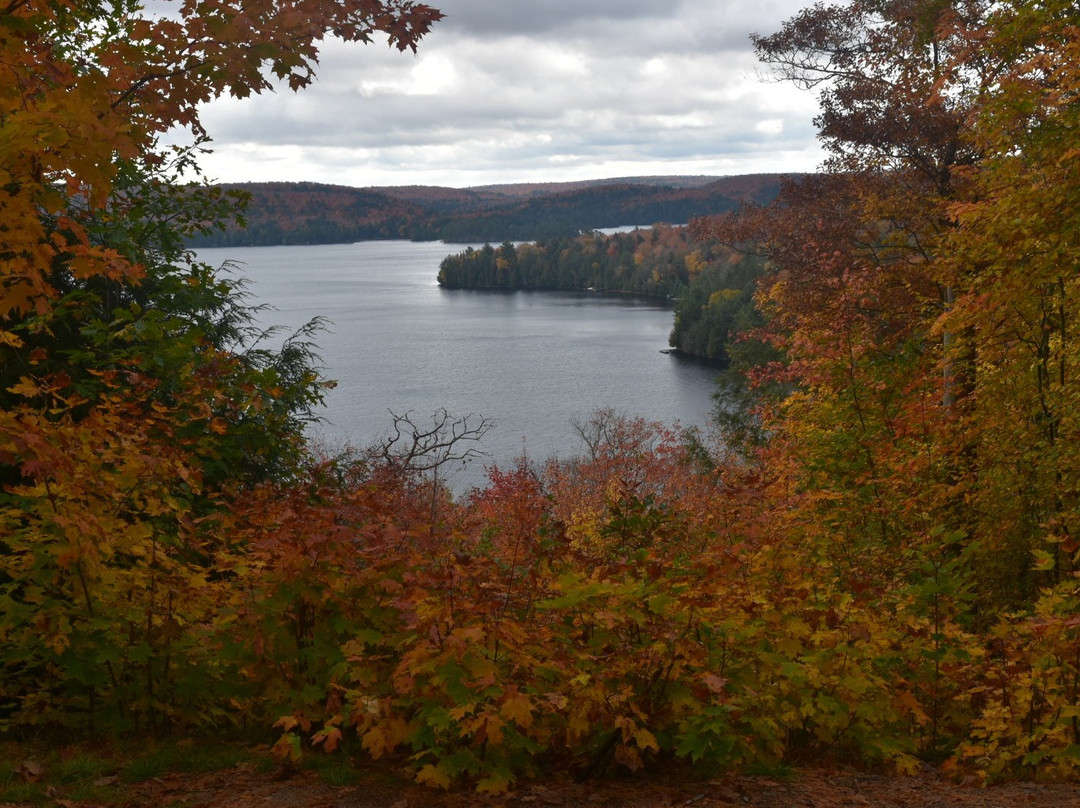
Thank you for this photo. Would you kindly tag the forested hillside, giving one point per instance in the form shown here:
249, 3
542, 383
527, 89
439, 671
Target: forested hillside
309, 213
881, 573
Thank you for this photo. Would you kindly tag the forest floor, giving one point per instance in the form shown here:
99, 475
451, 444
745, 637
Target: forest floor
189, 774
806, 788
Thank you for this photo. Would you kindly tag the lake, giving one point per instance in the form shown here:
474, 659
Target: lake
530, 361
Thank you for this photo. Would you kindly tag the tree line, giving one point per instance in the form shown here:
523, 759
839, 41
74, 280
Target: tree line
710, 285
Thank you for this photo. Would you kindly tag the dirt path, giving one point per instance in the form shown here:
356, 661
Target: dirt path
241, 788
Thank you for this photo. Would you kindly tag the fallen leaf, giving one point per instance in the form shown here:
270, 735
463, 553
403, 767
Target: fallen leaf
30, 771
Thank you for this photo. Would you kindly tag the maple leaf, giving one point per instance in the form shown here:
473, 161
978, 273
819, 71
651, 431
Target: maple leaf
517, 707
433, 775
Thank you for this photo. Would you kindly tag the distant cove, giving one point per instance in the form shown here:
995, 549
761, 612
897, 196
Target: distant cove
529, 360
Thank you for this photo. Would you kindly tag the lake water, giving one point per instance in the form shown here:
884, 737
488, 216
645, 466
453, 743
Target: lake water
531, 361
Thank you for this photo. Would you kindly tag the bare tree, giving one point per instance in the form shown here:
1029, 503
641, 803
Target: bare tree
432, 449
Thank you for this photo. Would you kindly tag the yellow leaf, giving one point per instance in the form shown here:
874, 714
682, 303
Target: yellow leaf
329, 738
517, 707
1043, 560
26, 387
433, 776
287, 722
644, 739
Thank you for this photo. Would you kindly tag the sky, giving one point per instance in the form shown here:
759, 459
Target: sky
532, 91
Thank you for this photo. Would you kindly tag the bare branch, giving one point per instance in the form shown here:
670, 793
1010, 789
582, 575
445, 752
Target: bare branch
449, 439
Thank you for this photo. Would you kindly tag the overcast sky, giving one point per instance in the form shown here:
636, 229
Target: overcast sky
532, 91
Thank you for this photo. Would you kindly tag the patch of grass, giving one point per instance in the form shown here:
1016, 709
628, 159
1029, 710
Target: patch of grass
185, 756
28, 793
70, 772
263, 762
12, 789
214, 757
334, 769
146, 767
7, 767
774, 771
97, 774
79, 767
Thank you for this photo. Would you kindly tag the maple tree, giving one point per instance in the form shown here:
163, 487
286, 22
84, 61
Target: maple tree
919, 295
1019, 231
859, 282
135, 404
91, 86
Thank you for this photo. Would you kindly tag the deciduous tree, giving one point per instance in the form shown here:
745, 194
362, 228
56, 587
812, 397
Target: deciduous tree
135, 405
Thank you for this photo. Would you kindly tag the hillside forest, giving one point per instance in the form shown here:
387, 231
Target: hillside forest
878, 570
312, 213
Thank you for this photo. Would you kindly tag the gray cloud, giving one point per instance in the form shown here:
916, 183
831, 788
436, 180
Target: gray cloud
514, 90
542, 17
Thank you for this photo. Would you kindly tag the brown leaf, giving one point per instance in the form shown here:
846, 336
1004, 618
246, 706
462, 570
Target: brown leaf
30, 771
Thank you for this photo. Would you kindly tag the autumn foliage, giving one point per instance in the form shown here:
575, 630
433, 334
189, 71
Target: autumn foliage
888, 575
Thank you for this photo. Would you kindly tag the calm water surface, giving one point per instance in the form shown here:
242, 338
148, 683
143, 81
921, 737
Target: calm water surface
530, 361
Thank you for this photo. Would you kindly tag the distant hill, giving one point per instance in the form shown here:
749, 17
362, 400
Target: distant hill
313, 213
526, 189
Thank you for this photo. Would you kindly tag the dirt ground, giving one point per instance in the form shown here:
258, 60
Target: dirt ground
808, 788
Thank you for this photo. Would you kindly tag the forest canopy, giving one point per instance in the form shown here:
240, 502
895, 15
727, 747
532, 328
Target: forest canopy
882, 574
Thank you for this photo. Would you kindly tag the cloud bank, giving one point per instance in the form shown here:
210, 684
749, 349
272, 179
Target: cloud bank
532, 90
